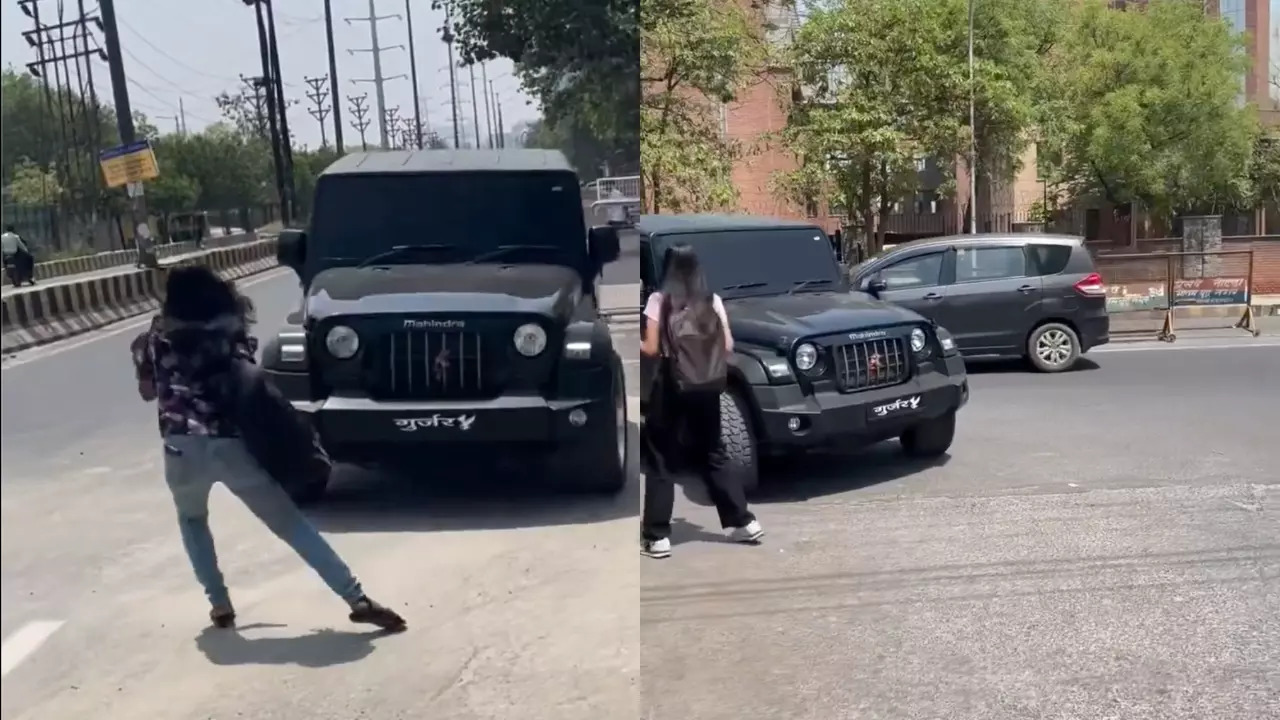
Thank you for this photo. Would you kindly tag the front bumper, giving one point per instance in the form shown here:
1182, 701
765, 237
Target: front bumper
828, 418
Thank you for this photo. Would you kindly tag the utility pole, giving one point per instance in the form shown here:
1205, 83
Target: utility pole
487, 88
446, 34
390, 120
120, 93
333, 76
475, 109
255, 85
498, 139
502, 129
378, 80
413, 76
182, 115
286, 137
319, 95
359, 111
266, 81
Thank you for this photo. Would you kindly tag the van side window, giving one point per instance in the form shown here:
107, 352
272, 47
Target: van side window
1049, 259
919, 271
990, 263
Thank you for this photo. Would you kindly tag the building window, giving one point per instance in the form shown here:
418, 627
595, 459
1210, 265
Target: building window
811, 208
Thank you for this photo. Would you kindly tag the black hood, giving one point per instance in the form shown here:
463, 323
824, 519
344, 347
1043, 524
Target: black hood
777, 320
549, 290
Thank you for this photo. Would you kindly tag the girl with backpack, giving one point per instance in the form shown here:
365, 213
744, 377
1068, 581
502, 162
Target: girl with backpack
688, 334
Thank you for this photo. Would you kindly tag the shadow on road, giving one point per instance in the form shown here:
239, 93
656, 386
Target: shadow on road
316, 649
360, 501
820, 474
992, 367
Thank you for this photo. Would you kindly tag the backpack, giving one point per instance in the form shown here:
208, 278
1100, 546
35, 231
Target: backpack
694, 339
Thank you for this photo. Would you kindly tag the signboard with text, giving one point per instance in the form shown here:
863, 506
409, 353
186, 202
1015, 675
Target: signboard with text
1186, 293
131, 163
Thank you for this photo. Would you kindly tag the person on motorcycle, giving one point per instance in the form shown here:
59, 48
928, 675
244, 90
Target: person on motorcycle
18, 260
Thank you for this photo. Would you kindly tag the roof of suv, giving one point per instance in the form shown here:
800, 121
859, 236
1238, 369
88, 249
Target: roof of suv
671, 224
1011, 238
428, 161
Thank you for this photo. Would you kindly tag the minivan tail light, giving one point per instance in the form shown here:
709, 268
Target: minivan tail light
1091, 286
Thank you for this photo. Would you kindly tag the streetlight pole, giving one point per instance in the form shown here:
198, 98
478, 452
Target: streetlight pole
973, 136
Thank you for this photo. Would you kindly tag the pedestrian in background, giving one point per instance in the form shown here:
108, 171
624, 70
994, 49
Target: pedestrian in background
688, 334
187, 363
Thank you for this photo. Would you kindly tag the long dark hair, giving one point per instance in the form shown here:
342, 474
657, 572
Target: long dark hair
683, 282
195, 294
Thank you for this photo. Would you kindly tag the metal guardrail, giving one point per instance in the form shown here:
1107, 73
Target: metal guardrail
1168, 282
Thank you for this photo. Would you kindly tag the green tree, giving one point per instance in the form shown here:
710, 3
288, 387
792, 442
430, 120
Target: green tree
696, 57
579, 58
1142, 107
173, 192
881, 89
229, 169
33, 185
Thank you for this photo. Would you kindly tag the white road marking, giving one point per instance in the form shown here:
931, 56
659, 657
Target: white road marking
39, 353
1242, 345
20, 645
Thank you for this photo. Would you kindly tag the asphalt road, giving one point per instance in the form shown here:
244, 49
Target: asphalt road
1099, 544
519, 606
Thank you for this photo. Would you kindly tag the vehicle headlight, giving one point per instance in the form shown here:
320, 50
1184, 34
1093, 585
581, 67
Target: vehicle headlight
806, 357
342, 342
530, 339
918, 340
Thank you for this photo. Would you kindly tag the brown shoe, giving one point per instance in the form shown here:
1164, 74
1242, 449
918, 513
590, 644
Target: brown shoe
367, 611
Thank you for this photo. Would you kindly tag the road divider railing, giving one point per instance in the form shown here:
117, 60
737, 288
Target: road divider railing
1153, 294
116, 258
52, 313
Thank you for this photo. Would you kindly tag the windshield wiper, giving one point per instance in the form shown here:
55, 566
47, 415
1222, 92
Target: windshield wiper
744, 286
402, 250
802, 284
505, 249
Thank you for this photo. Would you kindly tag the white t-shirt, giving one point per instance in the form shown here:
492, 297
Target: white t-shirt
653, 311
12, 243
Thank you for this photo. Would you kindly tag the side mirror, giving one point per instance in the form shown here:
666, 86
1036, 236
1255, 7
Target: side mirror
603, 244
291, 248
874, 285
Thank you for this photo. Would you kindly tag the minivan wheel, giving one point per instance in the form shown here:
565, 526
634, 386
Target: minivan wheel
1053, 347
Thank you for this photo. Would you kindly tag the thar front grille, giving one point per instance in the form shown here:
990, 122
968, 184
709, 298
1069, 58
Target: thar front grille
871, 364
432, 364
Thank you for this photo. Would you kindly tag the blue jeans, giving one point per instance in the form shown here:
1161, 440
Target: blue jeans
193, 463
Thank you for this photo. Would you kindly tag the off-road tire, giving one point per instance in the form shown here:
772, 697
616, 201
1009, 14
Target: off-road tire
593, 466
1058, 330
930, 438
742, 455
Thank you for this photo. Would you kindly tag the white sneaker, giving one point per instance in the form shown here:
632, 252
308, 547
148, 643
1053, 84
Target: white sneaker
657, 549
749, 533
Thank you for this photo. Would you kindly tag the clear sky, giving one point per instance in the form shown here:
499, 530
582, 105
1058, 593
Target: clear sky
189, 50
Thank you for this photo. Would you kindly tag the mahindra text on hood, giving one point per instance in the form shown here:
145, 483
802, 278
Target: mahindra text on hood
549, 290
779, 319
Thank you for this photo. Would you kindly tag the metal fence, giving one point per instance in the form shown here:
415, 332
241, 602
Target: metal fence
1156, 293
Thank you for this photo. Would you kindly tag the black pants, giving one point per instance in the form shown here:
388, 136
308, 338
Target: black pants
688, 435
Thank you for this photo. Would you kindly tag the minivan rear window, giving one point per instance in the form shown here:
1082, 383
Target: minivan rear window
1049, 259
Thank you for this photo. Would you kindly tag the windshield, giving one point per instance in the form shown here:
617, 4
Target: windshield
464, 215
766, 261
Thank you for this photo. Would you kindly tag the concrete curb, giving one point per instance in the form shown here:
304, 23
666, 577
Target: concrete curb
116, 258
58, 312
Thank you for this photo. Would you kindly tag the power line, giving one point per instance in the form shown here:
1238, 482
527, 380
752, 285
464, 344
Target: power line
318, 95
378, 80
359, 110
